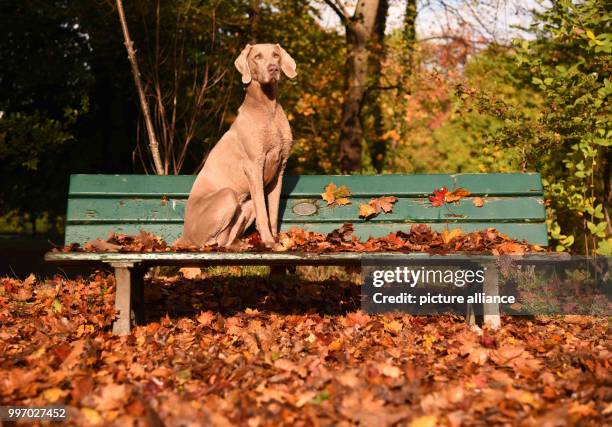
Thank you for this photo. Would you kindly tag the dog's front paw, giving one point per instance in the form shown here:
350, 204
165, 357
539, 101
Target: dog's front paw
269, 243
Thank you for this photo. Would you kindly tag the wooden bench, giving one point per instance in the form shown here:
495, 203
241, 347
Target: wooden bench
99, 204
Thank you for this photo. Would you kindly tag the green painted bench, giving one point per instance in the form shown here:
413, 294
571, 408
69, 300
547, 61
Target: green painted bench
99, 204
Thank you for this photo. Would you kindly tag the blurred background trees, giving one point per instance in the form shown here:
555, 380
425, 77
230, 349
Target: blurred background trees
383, 86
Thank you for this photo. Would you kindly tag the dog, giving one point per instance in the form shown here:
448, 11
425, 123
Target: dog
242, 176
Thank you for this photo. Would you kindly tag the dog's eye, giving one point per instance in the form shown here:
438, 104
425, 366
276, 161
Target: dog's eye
276, 56
258, 56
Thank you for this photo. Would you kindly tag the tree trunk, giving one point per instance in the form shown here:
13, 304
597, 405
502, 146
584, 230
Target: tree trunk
359, 31
409, 41
378, 150
144, 106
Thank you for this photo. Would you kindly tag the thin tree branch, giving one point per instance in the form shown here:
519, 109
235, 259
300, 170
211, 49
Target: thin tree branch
153, 144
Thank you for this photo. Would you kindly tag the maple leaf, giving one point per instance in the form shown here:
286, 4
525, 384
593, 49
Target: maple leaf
376, 205
367, 210
336, 195
456, 194
438, 197
478, 202
448, 236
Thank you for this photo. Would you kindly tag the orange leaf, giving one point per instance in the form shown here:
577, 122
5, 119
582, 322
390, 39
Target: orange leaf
510, 248
336, 195
384, 203
456, 194
367, 210
329, 196
448, 236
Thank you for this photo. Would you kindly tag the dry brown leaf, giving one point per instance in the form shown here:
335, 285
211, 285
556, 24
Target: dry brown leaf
448, 236
375, 206
456, 194
478, 202
190, 272
367, 211
510, 248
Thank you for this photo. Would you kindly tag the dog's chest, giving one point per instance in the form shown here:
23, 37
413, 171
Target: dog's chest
277, 145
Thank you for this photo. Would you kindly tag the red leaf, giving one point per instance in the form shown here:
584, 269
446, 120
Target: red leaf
438, 197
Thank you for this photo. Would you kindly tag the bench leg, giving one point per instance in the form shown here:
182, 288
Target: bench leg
470, 316
491, 313
137, 295
123, 297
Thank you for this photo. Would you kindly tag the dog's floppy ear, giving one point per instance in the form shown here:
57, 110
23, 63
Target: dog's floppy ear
287, 63
242, 64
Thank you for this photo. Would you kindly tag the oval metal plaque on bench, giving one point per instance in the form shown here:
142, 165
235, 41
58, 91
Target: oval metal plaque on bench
304, 209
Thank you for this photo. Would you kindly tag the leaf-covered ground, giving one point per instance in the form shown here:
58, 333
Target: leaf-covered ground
243, 349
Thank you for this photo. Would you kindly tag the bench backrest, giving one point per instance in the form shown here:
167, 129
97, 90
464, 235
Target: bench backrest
99, 204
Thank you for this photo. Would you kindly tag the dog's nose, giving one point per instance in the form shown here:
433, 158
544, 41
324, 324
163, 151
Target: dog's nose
273, 68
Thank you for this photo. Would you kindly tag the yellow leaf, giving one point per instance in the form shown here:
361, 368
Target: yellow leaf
425, 421
342, 192
447, 236
366, 211
92, 415
329, 195
53, 394
335, 345
590, 34
335, 195
393, 327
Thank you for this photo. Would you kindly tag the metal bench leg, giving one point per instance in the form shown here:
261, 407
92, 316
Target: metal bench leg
123, 297
492, 317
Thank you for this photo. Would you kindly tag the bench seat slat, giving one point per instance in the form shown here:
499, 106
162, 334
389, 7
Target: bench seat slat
496, 209
418, 185
533, 232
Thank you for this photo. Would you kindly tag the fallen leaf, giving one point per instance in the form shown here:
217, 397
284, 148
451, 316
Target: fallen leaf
438, 197
92, 415
394, 327
205, 318
478, 202
366, 211
334, 195
389, 370
190, 272
375, 206
448, 236
456, 195
425, 421
53, 394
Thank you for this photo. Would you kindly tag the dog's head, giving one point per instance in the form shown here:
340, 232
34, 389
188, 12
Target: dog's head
264, 62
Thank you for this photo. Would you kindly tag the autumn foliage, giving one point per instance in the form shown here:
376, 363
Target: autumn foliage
248, 350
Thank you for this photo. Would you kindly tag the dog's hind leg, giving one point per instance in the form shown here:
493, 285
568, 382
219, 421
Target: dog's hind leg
208, 219
244, 218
